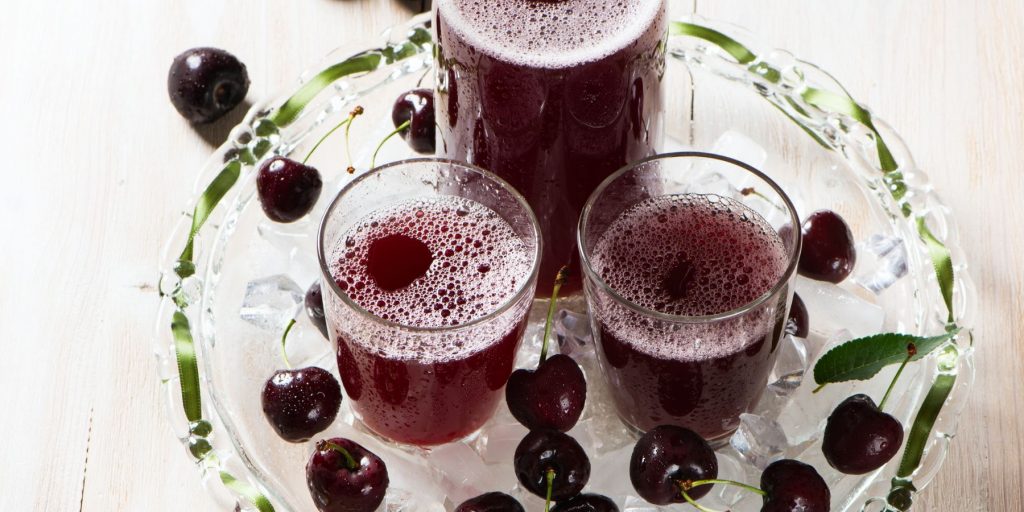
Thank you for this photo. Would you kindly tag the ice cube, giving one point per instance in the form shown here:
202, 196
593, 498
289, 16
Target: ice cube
830, 308
461, 471
759, 440
790, 365
497, 442
401, 500
608, 477
735, 145
270, 302
883, 261
635, 504
573, 333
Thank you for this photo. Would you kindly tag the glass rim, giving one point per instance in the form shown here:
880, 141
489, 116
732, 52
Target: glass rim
505, 306
787, 275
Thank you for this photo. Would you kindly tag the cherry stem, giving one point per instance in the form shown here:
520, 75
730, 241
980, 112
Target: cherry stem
711, 481
284, 338
346, 122
696, 505
350, 462
550, 478
560, 279
911, 352
373, 160
358, 111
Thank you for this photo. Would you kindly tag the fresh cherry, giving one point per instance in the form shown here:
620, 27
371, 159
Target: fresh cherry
793, 486
859, 437
586, 503
315, 307
396, 260
206, 83
828, 253
345, 477
301, 403
550, 397
416, 107
544, 451
287, 189
798, 324
491, 502
667, 457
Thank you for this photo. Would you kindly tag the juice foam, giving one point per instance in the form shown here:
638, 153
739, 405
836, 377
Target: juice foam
550, 33
478, 265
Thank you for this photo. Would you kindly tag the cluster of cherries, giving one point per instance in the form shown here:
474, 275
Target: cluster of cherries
669, 464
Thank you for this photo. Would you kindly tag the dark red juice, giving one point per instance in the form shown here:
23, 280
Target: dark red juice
422, 265
688, 256
553, 96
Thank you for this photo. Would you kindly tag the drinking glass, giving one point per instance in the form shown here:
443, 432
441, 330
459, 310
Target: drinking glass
701, 371
426, 385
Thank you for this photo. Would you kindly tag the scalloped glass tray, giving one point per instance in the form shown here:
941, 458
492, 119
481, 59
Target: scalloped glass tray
251, 274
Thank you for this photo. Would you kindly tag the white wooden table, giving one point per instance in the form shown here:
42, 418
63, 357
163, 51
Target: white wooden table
99, 165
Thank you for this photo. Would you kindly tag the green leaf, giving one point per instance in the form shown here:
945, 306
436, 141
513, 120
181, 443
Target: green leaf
863, 358
207, 202
362, 63
942, 262
730, 45
921, 429
188, 368
241, 487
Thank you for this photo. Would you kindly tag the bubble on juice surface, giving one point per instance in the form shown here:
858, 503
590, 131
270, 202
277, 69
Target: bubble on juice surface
690, 255
552, 33
479, 263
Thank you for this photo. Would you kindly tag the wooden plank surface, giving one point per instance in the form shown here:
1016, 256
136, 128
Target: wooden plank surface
98, 165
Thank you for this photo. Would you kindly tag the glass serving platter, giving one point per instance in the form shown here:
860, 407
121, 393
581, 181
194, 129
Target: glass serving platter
245, 278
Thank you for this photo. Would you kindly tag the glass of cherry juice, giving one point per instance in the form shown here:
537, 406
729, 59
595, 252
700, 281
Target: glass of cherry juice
688, 287
429, 268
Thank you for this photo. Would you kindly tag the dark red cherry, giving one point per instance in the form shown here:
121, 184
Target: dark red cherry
491, 502
860, 438
667, 456
828, 253
798, 324
287, 189
793, 486
301, 403
395, 261
345, 477
206, 83
548, 398
586, 503
416, 107
544, 450
315, 308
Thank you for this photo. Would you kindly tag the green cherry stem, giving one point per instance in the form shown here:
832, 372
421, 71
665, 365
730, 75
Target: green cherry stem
712, 481
373, 160
358, 111
550, 478
690, 484
696, 505
284, 341
350, 462
347, 121
560, 279
911, 352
